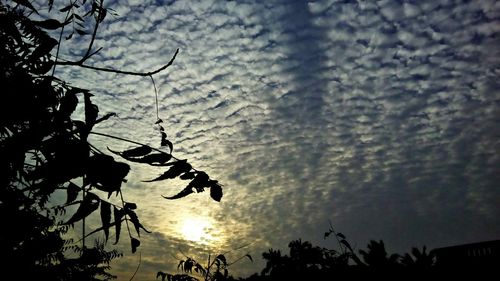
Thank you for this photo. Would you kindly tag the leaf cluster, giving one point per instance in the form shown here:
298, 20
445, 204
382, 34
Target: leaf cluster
44, 149
216, 269
198, 180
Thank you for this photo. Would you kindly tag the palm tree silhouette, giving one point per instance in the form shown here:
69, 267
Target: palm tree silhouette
376, 257
420, 259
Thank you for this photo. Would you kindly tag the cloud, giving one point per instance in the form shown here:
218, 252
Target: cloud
381, 117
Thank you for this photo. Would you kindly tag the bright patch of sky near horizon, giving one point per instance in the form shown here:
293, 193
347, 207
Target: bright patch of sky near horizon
381, 116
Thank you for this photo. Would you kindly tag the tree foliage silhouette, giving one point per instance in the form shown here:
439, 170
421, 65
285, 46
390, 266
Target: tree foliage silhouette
217, 269
44, 150
377, 257
304, 262
419, 259
308, 262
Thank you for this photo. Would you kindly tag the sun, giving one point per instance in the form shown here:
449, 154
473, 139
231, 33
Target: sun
195, 230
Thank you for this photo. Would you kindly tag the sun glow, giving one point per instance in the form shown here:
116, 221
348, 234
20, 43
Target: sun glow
195, 230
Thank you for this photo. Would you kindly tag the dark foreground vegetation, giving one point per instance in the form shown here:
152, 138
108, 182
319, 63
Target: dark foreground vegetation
305, 261
46, 155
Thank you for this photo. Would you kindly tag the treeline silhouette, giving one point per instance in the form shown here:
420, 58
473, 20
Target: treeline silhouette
305, 261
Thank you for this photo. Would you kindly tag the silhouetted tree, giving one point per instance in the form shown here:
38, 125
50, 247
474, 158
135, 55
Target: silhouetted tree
305, 262
44, 149
275, 262
420, 260
376, 256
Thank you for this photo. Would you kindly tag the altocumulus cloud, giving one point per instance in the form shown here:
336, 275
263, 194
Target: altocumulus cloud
380, 116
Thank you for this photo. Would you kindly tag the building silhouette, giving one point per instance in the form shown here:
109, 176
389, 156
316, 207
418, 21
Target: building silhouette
474, 256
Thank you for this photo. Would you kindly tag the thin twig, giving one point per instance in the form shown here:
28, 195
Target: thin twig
344, 248
130, 141
156, 97
94, 148
238, 248
73, 63
96, 26
126, 220
59, 43
97, 230
83, 220
182, 253
237, 260
137, 269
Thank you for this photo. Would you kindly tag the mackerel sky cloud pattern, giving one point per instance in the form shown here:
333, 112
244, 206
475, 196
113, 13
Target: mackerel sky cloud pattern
380, 116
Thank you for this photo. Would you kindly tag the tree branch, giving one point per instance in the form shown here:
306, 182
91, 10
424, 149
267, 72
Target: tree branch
80, 64
96, 26
59, 42
138, 265
138, 143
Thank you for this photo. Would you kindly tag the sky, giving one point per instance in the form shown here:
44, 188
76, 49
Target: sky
380, 117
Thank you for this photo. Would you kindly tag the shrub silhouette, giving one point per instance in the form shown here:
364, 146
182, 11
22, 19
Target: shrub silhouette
217, 269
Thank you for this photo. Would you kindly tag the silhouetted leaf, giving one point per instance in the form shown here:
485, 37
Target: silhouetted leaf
102, 15
249, 257
162, 275
185, 192
200, 181
135, 220
345, 243
44, 48
340, 235
188, 176
136, 152
67, 8
154, 159
218, 276
188, 265
91, 111
78, 17
68, 104
105, 117
10, 28
105, 217
118, 214
199, 268
165, 142
180, 265
105, 173
72, 192
159, 121
178, 168
89, 204
130, 206
81, 32
215, 191
222, 258
48, 24
135, 243
26, 3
